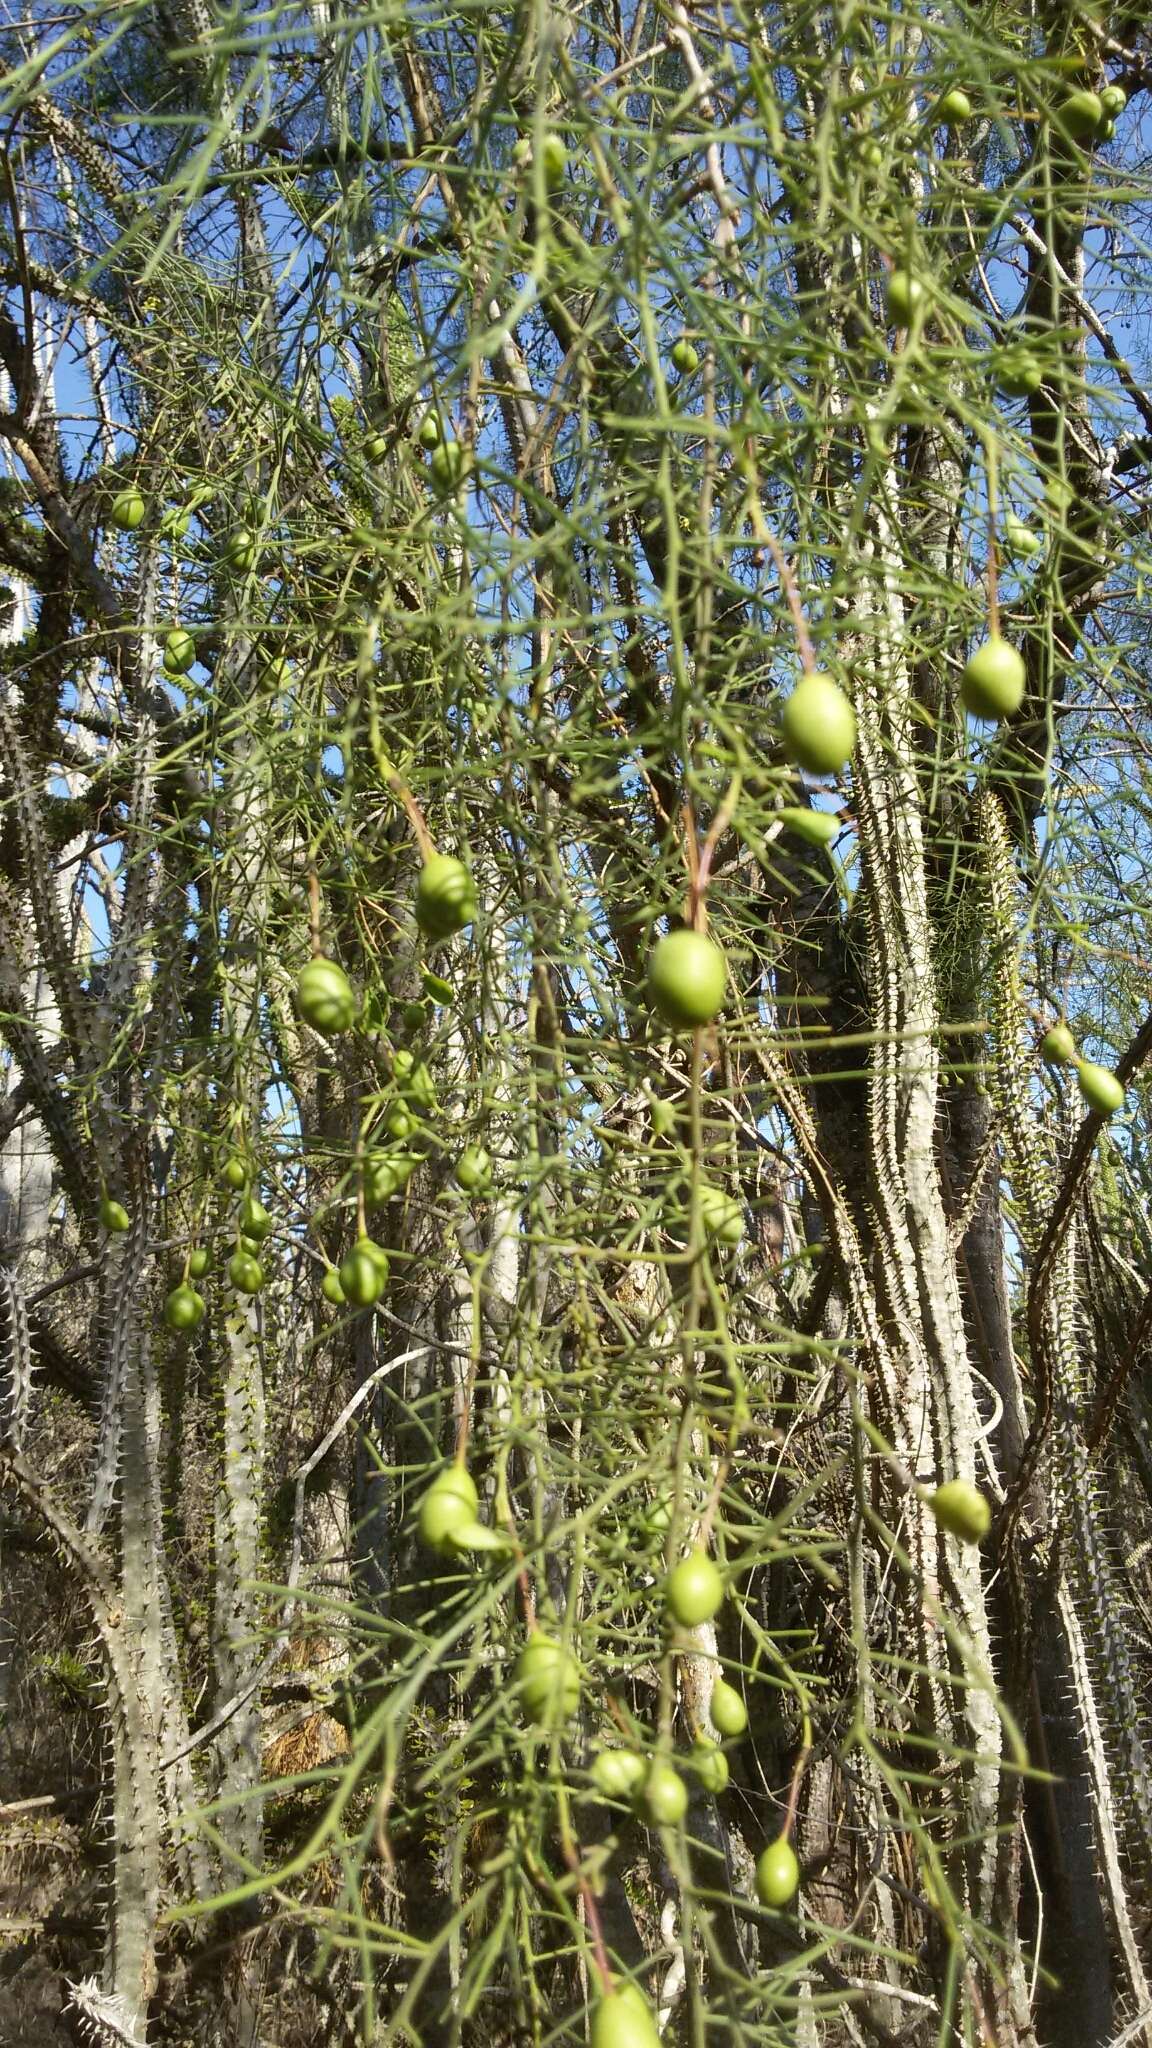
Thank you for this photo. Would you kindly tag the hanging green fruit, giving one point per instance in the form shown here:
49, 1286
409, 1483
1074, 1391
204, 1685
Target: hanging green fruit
623, 2019
721, 1214
325, 997
235, 1174
331, 1289
199, 1262
954, 108
905, 296
693, 1590
473, 1169
1058, 1046
364, 1273
184, 1308
179, 651
726, 1709
819, 828
1019, 373
430, 435
240, 550
128, 509
618, 1773
685, 357
710, 1765
114, 1216
665, 1795
687, 978
450, 464
554, 158
255, 1222
1079, 116
992, 685
547, 1679
1100, 1088
449, 1503
819, 725
246, 1273
962, 1509
445, 896
1113, 100
777, 1874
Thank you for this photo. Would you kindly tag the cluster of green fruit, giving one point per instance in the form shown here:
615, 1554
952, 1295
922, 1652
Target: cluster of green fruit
1098, 1085
1086, 116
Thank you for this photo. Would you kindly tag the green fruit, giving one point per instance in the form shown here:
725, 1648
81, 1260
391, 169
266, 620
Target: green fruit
1079, 116
325, 997
1106, 131
445, 896
726, 1709
1020, 538
240, 550
364, 1273
199, 1262
871, 153
436, 988
623, 2019
429, 435
176, 522
403, 1166
665, 1795
403, 1063
449, 1504
398, 1123
128, 509
183, 1309
246, 1273
962, 1509
819, 828
376, 447
114, 1216
1113, 100
252, 1245
618, 1773
255, 1222
687, 977
1100, 1088
374, 1010
235, 1173
684, 357
777, 1873
710, 1765
473, 1169
449, 466
905, 296
554, 158
722, 1215
547, 1680
992, 685
179, 651
331, 1289
379, 1180
955, 108
413, 1016
1058, 1046
693, 1590
819, 725
1019, 373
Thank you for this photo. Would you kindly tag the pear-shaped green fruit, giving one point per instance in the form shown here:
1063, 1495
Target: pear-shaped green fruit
445, 896
1020, 537
1106, 130
255, 1222
1113, 100
179, 651
819, 725
199, 1262
379, 1180
246, 1273
955, 108
376, 447
184, 1308
1058, 1046
235, 1174
1100, 1088
721, 1214
710, 1765
554, 158
241, 550
687, 977
618, 1773
449, 466
777, 1873
992, 685
819, 828
449, 1504
962, 1509
623, 2019
1019, 373
436, 988
364, 1273
1079, 116
114, 1216
685, 357
905, 296
693, 1590
414, 1016
665, 1795
331, 1289
399, 1121
726, 1709
473, 1169
128, 509
176, 521
547, 1681
325, 997
872, 153
429, 435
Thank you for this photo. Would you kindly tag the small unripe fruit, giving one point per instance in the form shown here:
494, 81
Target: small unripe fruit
819, 828
245, 1273
1100, 1088
687, 975
429, 435
905, 295
722, 1215
128, 509
1020, 538
331, 1289
1079, 116
819, 725
554, 158
240, 550
1106, 130
179, 651
364, 1273
325, 997
693, 1590
176, 522
445, 896
871, 153
665, 1795
183, 1309
198, 1263
623, 2019
684, 357
726, 1709
955, 108
436, 988
992, 685
711, 1766
235, 1173
1019, 373
777, 1873
1058, 1046
376, 447
962, 1509
547, 1680
618, 1773
449, 466
379, 1180
449, 1504
399, 1123
1113, 100
114, 1216
473, 1169
255, 1222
